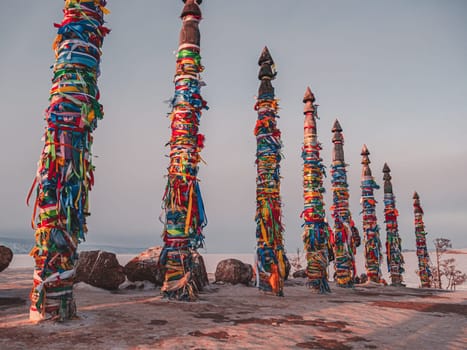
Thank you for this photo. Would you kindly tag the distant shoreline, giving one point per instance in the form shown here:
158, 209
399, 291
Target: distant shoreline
212, 259
23, 246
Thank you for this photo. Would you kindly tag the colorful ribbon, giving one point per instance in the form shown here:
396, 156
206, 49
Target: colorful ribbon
424, 270
372, 242
270, 256
65, 171
345, 239
184, 215
394, 255
316, 231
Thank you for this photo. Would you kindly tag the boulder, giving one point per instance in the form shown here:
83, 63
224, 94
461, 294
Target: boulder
99, 269
200, 275
233, 271
6, 255
363, 278
288, 267
146, 267
300, 274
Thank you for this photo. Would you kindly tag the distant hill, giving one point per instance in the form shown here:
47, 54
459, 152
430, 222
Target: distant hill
24, 245
18, 245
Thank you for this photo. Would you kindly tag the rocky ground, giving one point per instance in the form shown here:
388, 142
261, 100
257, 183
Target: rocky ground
240, 317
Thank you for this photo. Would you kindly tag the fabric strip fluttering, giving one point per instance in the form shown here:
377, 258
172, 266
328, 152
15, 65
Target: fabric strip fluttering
65, 170
373, 257
424, 263
316, 231
346, 238
184, 215
394, 255
271, 261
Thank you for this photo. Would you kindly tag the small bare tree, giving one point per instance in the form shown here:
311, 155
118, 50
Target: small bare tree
455, 277
296, 261
441, 245
435, 276
447, 267
458, 279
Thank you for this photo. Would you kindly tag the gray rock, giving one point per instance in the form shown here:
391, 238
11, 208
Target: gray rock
146, 267
99, 269
233, 271
6, 255
300, 274
288, 267
200, 275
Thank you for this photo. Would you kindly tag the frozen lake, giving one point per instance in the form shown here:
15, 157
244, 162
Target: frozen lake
211, 260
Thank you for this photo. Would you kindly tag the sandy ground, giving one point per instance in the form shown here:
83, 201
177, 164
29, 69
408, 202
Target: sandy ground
240, 317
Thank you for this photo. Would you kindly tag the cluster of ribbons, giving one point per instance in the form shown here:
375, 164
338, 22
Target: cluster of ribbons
344, 243
424, 271
65, 171
316, 233
373, 257
271, 259
395, 260
183, 205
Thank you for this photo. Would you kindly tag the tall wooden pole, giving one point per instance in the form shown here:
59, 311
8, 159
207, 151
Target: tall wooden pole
270, 256
424, 270
345, 241
394, 255
65, 170
316, 230
372, 241
182, 202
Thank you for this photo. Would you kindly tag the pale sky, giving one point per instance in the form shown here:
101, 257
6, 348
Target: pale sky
393, 72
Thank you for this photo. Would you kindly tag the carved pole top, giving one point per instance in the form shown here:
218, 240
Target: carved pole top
366, 171
337, 137
387, 179
338, 141
386, 168
365, 151
265, 57
191, 8
336, 127
308, 95
308, 100
416, 203
266, 73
